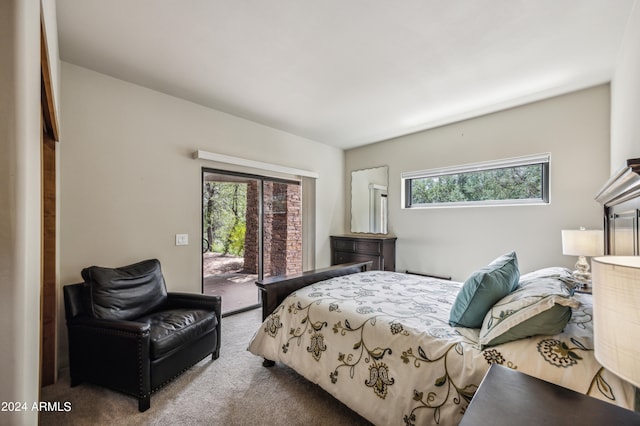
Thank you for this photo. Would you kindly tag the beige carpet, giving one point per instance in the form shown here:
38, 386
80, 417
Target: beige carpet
235, 389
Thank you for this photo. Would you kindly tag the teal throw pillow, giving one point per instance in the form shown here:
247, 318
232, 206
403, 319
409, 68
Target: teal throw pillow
483, 289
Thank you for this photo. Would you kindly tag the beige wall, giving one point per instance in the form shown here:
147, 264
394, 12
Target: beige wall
19, 206
574, 128
625, 97
129, 183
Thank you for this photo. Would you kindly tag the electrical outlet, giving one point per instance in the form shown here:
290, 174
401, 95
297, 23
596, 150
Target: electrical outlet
182, 239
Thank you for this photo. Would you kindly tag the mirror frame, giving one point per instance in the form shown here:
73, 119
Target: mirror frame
361, 201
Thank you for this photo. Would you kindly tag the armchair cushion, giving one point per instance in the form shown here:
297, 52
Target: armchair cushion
171, 329
127, 292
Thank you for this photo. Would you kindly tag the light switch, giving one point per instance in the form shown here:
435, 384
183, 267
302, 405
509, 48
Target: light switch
182, 239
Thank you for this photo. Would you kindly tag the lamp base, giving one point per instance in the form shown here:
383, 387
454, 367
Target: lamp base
582, 273
584, 280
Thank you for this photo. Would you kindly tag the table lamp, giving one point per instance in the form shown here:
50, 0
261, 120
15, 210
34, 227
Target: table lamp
582, 243
616, 317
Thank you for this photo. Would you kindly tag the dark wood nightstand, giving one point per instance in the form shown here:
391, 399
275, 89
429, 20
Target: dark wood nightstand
508, 397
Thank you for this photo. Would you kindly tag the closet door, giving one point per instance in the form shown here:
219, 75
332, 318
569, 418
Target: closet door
48, 286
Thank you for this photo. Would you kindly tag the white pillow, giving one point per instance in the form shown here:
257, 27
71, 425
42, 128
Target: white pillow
541, 304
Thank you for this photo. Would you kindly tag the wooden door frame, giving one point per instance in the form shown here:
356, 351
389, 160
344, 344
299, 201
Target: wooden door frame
48, 261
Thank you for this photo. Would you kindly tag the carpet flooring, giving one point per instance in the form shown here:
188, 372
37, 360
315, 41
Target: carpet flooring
235, 389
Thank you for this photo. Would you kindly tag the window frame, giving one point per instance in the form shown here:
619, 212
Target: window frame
544, 159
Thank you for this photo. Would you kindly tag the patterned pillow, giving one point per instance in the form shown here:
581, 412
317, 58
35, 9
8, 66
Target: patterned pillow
540, 305
482, 289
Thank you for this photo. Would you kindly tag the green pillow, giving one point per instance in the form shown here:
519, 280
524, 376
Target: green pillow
540, 305
483, 289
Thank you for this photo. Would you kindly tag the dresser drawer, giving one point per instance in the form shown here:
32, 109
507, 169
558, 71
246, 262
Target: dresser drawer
371, 247
357, 246
340, 257
344, 245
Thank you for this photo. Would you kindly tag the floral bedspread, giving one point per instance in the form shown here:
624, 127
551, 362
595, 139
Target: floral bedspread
380, 342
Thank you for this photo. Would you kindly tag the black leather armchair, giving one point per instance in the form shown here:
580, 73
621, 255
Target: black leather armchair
127, 333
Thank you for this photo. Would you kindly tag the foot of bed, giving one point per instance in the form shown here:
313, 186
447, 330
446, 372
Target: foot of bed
268, 363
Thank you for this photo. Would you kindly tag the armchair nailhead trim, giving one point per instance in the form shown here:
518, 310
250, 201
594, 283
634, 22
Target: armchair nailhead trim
140, 376
179, 373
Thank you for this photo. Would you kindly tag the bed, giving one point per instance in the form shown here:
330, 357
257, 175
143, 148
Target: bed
383, 342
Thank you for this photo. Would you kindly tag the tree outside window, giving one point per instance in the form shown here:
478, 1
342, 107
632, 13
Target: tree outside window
522, 180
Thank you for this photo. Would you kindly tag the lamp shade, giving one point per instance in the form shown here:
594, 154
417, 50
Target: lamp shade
582, 242
616, 315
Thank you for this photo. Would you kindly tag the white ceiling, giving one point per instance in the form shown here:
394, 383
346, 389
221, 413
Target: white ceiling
348, 72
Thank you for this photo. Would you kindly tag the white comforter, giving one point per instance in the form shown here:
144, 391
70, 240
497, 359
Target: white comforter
380, 342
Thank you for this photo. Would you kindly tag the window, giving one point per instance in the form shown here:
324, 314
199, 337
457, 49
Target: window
513, 181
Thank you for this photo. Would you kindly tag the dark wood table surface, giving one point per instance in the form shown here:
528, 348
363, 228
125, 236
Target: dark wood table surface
508, 397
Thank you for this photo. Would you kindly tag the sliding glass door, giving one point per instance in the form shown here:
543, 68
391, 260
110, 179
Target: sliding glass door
252, 228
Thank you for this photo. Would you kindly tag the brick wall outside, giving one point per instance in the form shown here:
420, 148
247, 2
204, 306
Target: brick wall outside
251, 234
282, 229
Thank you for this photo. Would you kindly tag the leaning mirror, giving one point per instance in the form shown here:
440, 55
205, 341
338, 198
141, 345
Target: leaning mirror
369, 200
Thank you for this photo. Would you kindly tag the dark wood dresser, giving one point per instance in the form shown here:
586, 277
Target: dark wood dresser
380, 249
